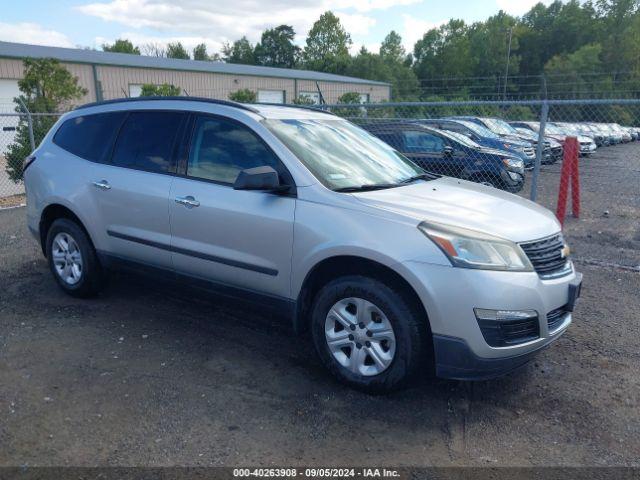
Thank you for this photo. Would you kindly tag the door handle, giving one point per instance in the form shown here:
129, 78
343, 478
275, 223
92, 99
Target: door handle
188, 201
102, 185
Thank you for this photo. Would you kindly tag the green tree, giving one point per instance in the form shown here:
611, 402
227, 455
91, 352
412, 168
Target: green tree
391, 49
327, 46
350, 98
404, 83
121, 45
243, 96
240, 51
353, 109
303, 100
164, 90
621, 20
47, 87
276, 48
570, 75
177, 50
444, 52
370, 66
200, 52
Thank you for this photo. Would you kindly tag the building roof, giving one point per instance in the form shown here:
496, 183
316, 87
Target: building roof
77, 55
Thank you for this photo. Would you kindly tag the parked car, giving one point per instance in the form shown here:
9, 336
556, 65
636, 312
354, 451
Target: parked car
452, 154
507, 132
303, 212
589, 131
483, 136
584, 130
552, 150
633, 132
587, 144
626, 136
599, 130
614, 135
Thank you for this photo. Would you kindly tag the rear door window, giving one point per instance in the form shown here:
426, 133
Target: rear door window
423, 141
146, 141
90, 136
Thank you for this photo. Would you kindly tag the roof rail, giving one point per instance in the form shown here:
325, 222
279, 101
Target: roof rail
293, 105
227, 103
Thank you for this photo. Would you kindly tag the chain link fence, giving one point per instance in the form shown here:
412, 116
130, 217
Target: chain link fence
516, 146
20, 132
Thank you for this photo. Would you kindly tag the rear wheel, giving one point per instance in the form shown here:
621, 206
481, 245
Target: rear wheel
72, 259
367, 333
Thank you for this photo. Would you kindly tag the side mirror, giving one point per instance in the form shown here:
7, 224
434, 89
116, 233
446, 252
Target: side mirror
263, 178
448, 151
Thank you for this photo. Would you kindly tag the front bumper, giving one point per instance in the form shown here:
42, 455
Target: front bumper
450, 296
510, 183
456, 361
587, 148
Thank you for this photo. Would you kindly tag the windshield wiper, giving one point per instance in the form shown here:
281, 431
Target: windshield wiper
366, 188
422, 176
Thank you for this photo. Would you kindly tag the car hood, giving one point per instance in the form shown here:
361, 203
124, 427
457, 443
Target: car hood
557, 137
516, 141
465, 204
495, 151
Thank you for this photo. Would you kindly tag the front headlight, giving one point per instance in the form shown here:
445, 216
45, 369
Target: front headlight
513, 163
471, 249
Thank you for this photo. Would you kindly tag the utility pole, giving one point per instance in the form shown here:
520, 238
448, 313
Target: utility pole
506, 71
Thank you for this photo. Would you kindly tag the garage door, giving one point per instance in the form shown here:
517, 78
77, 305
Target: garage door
8, 91
271, 96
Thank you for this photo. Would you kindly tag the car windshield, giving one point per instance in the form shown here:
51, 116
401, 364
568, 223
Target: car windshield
564, 129
478, 129
500, 126
342, 155
552, 129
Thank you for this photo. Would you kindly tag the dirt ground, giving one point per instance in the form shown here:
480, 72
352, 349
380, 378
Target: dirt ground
150, 375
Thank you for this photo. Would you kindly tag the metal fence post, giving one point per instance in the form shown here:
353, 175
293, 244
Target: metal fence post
32, 140
544, 114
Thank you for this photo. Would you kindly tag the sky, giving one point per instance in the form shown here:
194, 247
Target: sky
91, 23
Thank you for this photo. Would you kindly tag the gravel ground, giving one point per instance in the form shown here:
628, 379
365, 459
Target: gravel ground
149, 375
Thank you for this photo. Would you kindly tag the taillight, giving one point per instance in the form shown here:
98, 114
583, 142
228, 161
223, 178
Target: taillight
28, 161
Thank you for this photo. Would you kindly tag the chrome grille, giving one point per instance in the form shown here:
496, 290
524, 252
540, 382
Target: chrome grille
546, 256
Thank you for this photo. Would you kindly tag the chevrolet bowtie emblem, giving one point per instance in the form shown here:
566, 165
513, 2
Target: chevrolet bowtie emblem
564, 253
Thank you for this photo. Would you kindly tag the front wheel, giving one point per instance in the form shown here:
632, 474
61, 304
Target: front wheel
367, 333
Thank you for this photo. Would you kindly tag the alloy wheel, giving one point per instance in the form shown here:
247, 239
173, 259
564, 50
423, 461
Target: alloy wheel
67, 258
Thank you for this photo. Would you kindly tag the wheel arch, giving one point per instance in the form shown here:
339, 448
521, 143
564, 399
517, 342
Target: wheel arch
342, 265
50, 214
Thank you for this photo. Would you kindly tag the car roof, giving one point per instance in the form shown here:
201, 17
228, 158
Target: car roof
274, 111
397, 125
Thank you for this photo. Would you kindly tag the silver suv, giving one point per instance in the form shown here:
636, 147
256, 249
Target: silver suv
393, 271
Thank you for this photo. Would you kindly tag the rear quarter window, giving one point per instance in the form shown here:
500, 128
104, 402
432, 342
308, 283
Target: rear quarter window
90, 136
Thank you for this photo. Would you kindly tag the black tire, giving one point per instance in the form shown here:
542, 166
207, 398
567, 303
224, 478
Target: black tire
91, 278
409, 328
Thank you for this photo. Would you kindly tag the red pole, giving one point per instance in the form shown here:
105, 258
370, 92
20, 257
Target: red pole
575, 184
569, 165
